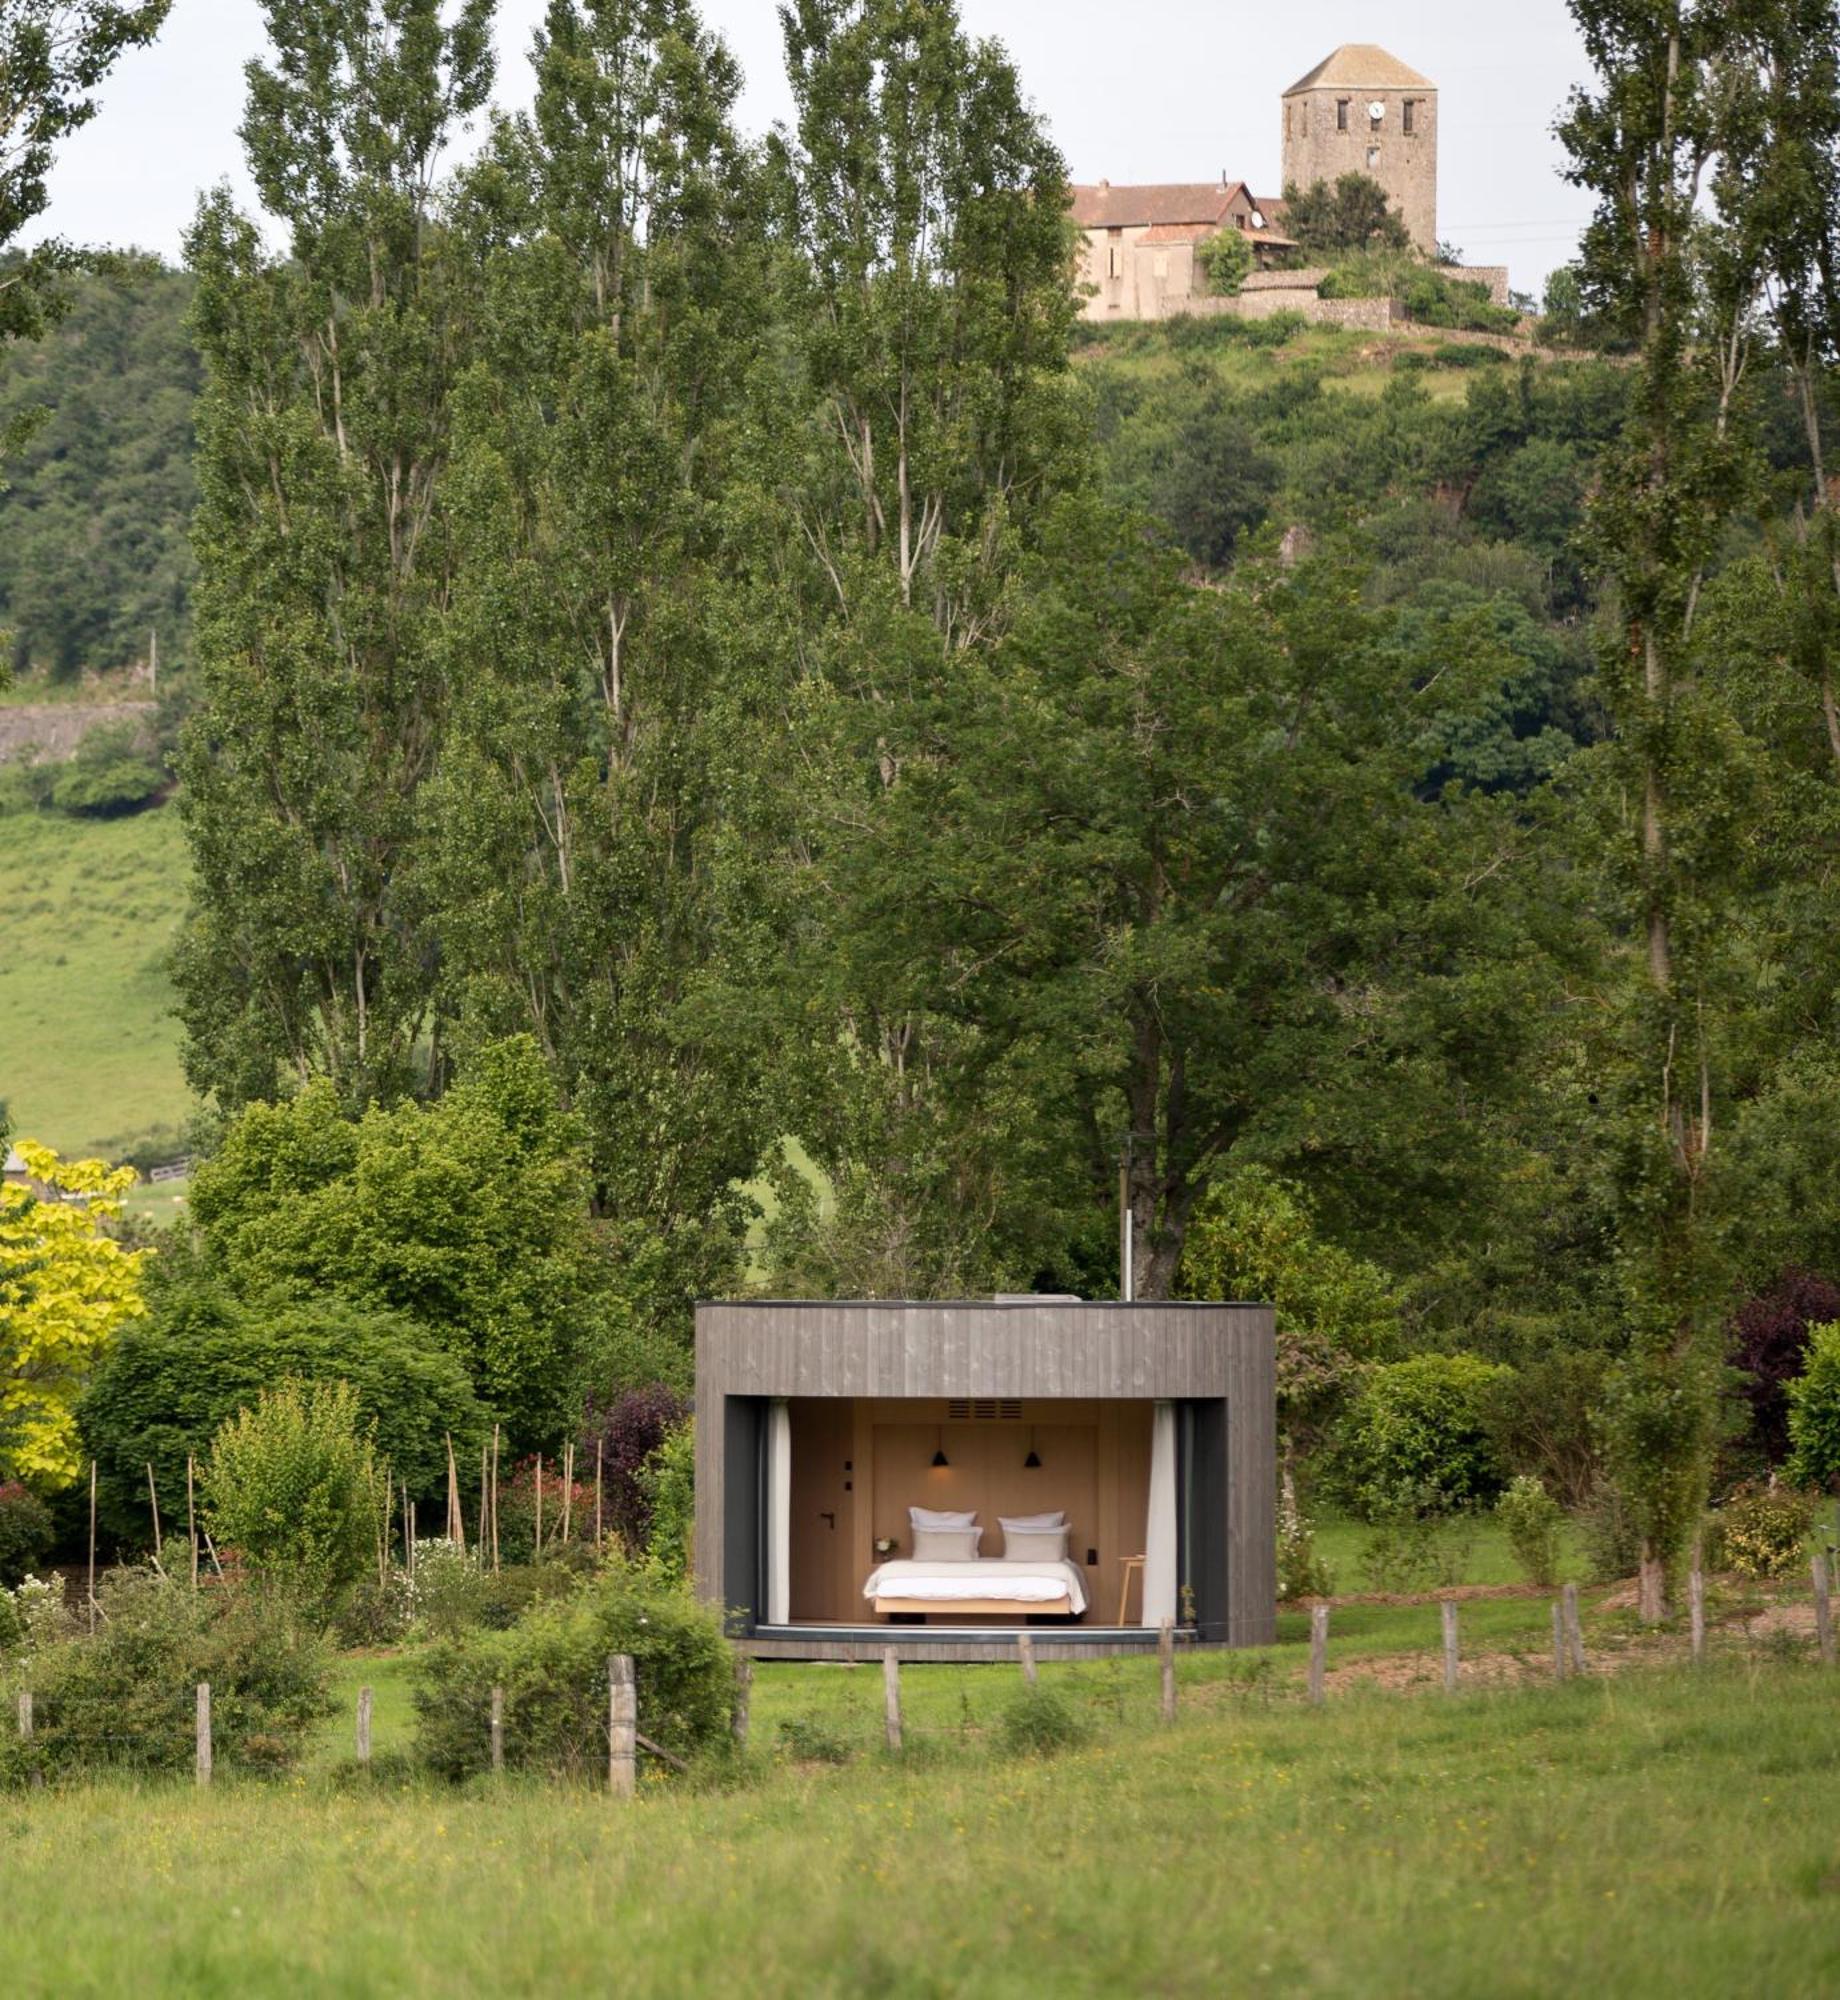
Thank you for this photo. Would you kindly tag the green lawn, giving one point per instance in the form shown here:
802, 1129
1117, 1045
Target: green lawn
89, 1058
1670, 1833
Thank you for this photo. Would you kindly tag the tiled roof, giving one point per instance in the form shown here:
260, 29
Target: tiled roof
1103, 206
1361, 66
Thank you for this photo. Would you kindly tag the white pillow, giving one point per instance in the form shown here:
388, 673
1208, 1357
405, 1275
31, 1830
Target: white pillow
932, 1517
1028, 1522
940, 1545
1038, 1545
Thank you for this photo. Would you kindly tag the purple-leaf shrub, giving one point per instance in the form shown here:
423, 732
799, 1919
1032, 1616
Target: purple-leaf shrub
1769, 1340
628, 1429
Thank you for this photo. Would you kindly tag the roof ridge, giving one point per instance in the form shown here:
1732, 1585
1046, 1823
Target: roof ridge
1358, 65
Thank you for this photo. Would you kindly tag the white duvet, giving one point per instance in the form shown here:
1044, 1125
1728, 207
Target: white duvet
983, 1576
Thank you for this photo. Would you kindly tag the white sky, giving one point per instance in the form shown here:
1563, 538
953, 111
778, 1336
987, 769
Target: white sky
1148, 91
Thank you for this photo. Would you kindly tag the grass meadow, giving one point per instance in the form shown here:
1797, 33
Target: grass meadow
1672, 1831
89, 1051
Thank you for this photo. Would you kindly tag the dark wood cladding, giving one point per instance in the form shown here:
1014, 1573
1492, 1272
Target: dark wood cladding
979, 1349
976, 1349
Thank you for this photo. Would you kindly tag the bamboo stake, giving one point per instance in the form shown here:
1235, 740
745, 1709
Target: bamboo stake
389, 1514
482, 1504
568, 1487
599, 1448
495, 1499
539, 1555
159, 1544
456, 1521
92, 1545
191, 1518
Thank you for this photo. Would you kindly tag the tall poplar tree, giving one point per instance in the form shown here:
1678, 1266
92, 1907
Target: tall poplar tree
324, 553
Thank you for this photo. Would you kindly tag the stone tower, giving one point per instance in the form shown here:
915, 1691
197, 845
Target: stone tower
1362, 111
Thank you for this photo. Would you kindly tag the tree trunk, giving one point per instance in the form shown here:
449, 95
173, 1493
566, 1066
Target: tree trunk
1651, 1586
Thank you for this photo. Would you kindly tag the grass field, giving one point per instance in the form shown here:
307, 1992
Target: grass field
89, 1058
1668, 1832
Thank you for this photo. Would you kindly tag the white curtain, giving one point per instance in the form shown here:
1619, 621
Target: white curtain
779, 1512
1160, 1535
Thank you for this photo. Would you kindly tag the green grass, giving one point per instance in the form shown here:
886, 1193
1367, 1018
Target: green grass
1669, 1833
89, 1051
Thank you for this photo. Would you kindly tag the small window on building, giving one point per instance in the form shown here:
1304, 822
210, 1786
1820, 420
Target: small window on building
1373, 156
1114, 253
1341, 114
1239, 222
1408, 117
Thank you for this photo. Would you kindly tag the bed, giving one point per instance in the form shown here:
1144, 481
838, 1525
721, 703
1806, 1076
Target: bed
983, 1586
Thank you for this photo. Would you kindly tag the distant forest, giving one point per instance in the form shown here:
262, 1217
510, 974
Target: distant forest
95, 507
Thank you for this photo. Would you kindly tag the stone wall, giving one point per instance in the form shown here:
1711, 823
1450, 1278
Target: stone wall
49, 732
1405, 164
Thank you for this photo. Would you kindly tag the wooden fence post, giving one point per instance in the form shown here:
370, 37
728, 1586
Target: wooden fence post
1166, 1659
1025, 1652
744, 1690
891, 1695
364, 1726
1558, 1624
1319, 1651
1823, 1611
1449, 1609
498, 1729
204, 1732
1574, 1632
25, 1732
1696, 1610
622, 1727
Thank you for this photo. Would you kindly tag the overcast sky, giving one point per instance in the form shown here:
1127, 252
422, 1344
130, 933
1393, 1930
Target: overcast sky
1134, 90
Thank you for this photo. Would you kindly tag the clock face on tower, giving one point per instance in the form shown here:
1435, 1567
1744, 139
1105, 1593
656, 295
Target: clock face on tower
1376, 111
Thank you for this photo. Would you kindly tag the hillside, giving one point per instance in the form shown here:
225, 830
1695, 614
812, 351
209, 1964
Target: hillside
88, 1051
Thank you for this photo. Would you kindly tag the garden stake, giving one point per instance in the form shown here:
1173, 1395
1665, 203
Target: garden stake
495, 1499
1166, 1657
1449, 1609
1319, 1651
568, 1488
539, 1555
204, 1732
1696, 1610
1558, 1641
1574, 1633
456, 1521
482, 1504
598, 1447
191, 1519
364, 1726
498, 1729
153, 1498
92, 1545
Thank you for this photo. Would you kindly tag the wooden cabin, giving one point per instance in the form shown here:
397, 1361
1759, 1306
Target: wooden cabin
887, 1472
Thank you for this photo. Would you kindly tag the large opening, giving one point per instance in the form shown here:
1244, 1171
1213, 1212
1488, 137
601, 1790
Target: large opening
857, 1465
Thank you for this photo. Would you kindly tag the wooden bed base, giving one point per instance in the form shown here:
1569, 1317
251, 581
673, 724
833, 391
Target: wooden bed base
977, 1607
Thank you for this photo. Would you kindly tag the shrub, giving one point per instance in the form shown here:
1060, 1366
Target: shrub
1532, 1518
809, 1739
1416, 1439
1612, 1541
517, 1513
292, 1484
1224, 259
552, 1665
1814, 1412
669, 1480
33, 1615
1417, 1551
1038, 1721
1543, 1419
1769, 1344
1763, 1530
1301, 1571
25, 1532
109, 775
628, 1430
172, 1381
125, 1696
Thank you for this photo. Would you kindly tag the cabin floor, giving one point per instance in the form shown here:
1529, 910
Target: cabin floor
917, 1644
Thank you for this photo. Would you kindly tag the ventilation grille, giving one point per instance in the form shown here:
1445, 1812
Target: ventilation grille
984, 1413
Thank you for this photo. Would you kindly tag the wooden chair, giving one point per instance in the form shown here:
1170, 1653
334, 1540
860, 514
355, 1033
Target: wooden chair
1126, 1564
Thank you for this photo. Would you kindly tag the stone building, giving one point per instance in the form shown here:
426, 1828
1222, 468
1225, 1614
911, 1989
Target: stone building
1359, 111
1362, 111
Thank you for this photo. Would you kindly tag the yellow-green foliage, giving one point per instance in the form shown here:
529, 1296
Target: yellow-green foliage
66, 1291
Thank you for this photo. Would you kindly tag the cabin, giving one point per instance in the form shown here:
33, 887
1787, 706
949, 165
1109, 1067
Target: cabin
940, 1476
